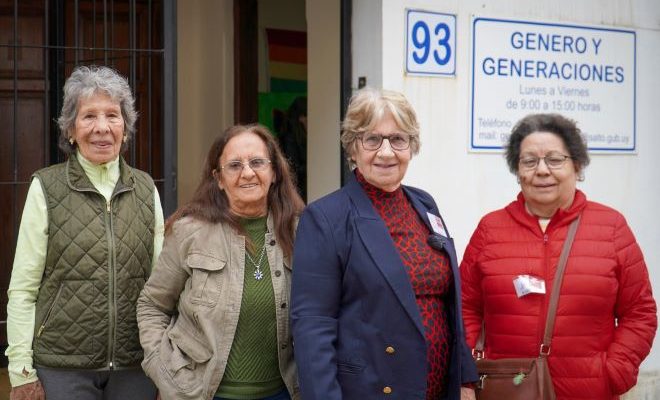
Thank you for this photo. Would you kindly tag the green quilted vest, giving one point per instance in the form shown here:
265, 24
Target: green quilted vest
99, 257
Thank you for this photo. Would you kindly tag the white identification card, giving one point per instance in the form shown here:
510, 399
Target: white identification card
437, 225
526, 284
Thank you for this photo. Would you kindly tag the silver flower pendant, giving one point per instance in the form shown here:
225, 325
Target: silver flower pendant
258, 275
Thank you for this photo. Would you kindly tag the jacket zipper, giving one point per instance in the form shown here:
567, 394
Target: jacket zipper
112, 306
50, 310
112, 282
111, 286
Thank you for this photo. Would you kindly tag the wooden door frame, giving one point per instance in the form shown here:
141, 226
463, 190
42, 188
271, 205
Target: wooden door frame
346, 75
246, 84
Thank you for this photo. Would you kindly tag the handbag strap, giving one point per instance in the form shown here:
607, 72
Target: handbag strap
554, 297
556, 287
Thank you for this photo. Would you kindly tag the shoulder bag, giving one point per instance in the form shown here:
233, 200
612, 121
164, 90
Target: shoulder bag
524, 378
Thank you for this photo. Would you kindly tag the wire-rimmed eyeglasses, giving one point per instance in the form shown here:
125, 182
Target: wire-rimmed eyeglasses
373, 141
552, 161
235, 167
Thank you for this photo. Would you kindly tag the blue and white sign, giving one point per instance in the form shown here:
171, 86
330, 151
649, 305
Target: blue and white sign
430, 43
585, 73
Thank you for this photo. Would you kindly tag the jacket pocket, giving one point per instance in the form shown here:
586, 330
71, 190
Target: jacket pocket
183, 359
349, 367
207, 278
74, 313
50, 311
355, 381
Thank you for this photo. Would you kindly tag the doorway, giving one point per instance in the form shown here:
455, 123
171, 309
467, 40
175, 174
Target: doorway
270, 74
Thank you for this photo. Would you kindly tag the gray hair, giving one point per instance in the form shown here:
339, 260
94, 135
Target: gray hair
365, 110
86, 81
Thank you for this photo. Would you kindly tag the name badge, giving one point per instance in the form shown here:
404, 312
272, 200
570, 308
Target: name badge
526, 284
437, 225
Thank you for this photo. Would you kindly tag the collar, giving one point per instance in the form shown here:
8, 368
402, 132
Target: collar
562, 217
80, 178
365, 208
359, 198
100, 173
376, 194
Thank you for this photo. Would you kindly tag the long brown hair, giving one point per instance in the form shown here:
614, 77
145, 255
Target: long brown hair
211, 204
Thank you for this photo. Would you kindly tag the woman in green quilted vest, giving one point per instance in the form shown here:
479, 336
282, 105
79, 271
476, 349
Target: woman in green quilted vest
91, 230
214, 315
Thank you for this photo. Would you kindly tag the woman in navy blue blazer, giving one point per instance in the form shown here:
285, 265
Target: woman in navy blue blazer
375, 308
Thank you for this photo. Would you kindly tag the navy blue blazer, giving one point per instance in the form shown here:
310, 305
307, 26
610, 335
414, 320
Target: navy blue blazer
357, 330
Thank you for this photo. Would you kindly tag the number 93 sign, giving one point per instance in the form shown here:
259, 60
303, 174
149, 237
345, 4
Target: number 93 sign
430, 43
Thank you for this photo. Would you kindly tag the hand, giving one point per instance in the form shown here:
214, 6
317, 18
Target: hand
29, 391
468, 394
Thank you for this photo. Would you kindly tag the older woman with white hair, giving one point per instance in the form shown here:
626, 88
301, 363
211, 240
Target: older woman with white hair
375, 301
91, 229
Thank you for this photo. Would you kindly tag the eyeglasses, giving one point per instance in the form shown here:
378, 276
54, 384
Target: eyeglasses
552, 161
236, 167
373, 141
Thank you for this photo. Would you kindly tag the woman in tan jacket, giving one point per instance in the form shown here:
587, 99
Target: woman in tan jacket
213, 316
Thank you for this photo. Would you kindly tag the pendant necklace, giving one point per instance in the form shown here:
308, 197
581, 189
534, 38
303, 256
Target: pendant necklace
258, 274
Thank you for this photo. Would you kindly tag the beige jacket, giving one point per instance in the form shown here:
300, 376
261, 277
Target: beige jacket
188, 310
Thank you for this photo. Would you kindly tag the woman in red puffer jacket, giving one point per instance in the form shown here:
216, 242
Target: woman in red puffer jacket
606, 317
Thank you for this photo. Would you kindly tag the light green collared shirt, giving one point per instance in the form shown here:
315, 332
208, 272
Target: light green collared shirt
30, 259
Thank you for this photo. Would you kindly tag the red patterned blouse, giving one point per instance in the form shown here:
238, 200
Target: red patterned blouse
429, 273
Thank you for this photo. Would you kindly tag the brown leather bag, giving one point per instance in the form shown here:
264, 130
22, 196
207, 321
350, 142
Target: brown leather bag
497, 379
524, 378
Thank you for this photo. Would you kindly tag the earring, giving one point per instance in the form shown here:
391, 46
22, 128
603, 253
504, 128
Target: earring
71, 140
518, 179
125, 138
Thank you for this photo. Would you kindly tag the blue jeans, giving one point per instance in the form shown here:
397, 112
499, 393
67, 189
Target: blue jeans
283, 395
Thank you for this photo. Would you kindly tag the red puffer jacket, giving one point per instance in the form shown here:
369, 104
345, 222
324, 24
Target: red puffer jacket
606, 317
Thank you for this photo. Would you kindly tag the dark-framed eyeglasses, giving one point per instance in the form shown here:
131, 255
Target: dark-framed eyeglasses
235, 167
373, 141
552, 161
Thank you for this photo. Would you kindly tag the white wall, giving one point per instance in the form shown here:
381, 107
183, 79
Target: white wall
467, 185
205, 84
367, 51
323, 58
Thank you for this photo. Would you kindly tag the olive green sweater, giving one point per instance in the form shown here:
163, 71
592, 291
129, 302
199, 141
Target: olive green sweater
252, 368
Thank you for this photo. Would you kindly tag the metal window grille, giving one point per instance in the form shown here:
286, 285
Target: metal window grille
41, 41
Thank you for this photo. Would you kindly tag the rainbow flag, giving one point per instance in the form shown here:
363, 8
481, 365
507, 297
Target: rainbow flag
287, 60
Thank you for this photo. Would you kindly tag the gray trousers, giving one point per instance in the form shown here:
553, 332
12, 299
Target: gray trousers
80, 384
